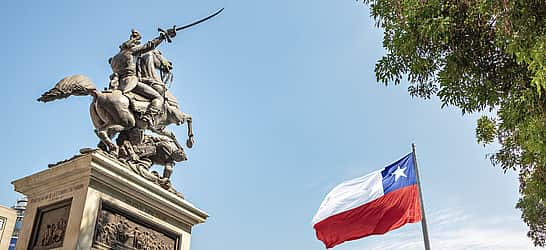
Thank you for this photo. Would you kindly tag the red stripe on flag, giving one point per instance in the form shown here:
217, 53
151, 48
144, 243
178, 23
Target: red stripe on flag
379, 216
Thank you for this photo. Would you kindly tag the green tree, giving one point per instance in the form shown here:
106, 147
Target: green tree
481, 56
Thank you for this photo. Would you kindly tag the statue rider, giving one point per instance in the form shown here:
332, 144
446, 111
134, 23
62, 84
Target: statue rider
124, 66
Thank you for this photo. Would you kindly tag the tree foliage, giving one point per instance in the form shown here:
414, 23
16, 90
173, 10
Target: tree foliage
479, 55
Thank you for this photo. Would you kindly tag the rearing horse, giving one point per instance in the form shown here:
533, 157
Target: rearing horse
113, 112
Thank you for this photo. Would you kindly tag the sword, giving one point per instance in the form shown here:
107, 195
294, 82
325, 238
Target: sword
170, 33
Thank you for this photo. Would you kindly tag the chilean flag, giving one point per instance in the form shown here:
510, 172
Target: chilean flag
372, 204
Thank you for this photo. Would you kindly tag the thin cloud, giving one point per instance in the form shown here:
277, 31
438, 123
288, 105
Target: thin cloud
452, 229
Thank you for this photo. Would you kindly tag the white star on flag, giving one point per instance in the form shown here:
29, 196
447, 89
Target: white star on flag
399, 172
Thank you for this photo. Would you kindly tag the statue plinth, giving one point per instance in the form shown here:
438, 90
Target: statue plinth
93, 201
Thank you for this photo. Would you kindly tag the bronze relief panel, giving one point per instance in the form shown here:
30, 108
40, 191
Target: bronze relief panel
50, 226
121, 231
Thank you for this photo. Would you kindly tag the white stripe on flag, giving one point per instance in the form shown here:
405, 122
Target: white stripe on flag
351, 194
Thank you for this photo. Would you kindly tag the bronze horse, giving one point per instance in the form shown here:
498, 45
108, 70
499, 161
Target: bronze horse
113, 112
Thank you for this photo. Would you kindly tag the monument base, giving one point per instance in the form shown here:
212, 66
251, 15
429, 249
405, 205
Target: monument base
93, 201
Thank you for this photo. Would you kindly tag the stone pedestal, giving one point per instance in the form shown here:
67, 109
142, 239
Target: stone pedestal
93, 201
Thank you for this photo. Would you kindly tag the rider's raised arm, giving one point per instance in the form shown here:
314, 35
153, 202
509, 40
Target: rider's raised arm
148, 46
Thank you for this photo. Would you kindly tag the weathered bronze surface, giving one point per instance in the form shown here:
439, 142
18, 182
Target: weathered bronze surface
115, 230
137, 100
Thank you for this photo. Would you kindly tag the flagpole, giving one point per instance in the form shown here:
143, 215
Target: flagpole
423, 220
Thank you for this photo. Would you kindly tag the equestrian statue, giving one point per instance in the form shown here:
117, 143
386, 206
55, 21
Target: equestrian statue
136, 100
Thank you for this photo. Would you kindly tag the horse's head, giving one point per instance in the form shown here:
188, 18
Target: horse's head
161, 63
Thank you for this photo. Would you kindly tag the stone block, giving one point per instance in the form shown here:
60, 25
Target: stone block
93, 201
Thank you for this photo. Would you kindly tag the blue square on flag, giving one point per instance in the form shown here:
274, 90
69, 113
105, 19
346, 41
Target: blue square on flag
399, 174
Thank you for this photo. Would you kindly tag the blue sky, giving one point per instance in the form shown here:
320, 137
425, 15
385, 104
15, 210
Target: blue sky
285, 106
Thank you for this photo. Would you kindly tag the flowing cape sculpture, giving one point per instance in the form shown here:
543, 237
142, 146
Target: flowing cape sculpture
136, 100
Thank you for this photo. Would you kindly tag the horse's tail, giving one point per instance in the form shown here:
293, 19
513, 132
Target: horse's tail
78, 85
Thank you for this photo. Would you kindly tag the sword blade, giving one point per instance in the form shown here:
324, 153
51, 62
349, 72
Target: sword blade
200, 21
